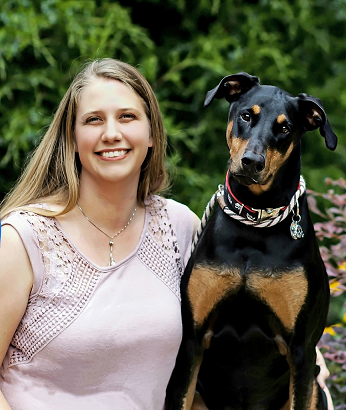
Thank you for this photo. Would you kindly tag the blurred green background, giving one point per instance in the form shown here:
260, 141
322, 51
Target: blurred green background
184, 48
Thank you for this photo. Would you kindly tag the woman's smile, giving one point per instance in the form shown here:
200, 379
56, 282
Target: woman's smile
110, 154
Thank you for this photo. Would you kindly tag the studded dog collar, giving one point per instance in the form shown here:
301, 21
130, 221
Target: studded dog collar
262, 218
251, 214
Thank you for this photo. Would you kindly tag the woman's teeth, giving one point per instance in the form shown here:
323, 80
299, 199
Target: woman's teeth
112, 154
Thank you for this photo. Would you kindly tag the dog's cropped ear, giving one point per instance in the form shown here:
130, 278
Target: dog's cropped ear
316, 117
231, 87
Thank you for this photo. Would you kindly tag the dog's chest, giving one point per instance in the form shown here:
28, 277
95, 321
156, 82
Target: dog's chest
283, 292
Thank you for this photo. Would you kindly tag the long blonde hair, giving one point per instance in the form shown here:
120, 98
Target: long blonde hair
52, 174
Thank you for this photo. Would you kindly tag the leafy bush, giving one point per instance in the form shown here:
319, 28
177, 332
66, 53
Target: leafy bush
331, 232
299, 45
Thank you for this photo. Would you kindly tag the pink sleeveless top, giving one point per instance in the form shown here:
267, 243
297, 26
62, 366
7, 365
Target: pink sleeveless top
98, 337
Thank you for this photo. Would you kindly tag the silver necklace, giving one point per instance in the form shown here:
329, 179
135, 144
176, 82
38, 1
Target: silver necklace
111, 260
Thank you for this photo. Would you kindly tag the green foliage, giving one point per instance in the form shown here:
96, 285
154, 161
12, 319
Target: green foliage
297, 45
331, 232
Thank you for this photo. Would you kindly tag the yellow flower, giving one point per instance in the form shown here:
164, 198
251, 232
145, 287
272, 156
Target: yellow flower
331, 330
342, 266
334, 287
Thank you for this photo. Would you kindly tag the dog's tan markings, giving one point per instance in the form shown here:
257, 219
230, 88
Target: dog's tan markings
313, 389
274, 161
237, 149
314, 116
284, 294
282, 345
207, 286
258, 189
229, 133
290, 402
235, 145
207, 339
256, 109
188, 399
234, 87
281, 118
314, 396
286, 406
198, 403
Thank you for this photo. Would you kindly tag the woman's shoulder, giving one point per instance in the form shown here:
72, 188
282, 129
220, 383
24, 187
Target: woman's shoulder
20, 229
174, 208
29, 223
183, 213
182, 218
34, 208
17, 216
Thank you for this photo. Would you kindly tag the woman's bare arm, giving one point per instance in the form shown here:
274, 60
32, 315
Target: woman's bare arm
16, 279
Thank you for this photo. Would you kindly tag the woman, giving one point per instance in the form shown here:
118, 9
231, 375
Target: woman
91, 258
97, 255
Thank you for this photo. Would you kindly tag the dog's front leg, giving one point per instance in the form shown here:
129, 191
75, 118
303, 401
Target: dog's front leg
305, 393
198, 403
202, 287
182, 385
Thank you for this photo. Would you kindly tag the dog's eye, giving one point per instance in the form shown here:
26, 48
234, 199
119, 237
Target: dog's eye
245, 116
285, 129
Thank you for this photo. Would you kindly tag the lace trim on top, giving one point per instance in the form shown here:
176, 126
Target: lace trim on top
68, 284
69, 280
160, 250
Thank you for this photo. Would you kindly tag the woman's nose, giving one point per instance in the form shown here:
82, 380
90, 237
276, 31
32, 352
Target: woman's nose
112, 131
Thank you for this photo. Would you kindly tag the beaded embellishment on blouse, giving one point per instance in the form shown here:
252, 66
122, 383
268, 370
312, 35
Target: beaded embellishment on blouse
70, 280
160, 250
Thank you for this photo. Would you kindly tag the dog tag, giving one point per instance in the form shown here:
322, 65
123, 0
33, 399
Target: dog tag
296, 229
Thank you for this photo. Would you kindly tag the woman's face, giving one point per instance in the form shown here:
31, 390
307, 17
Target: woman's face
112, 132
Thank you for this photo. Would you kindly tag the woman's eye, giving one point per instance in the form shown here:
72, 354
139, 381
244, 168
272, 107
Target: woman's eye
92, 119
128, 116
245, 117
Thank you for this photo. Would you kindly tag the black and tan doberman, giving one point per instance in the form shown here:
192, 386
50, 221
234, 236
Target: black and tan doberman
255, 293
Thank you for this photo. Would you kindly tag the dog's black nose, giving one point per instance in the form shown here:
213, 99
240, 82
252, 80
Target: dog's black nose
253, 162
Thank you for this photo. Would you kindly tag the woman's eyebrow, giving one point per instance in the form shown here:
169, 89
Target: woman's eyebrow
90, 112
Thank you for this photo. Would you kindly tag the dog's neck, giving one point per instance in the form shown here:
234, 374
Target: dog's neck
283, 187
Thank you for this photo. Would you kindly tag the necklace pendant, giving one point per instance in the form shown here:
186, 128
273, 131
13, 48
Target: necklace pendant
111, 261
